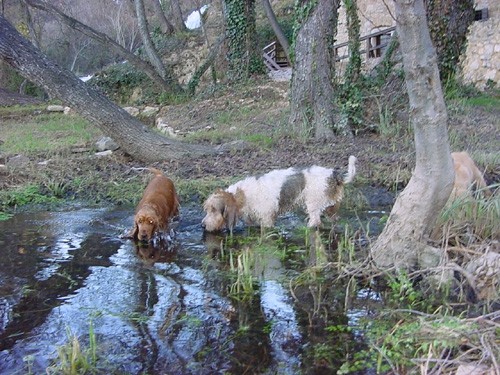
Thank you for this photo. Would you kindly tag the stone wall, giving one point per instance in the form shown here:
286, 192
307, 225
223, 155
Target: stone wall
374, 15
480, 64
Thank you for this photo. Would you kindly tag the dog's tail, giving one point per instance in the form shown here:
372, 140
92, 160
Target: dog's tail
351, 170
157, 172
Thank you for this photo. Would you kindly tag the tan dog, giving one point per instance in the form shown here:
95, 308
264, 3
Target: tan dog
159, 204
467, 176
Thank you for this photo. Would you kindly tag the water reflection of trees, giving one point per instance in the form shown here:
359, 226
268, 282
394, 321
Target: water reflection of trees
321, 299
265, 334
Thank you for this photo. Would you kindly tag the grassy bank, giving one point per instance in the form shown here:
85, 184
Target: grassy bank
426, 325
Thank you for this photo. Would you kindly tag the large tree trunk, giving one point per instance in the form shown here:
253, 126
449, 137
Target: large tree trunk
176, 15
449, 22
312, 91
241, 38
168, 84
166, 27
133, 137
149, 47
403, 243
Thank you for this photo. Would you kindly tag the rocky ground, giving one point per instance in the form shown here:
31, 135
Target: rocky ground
261, 110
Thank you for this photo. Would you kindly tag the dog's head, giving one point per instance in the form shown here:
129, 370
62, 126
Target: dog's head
222, 210
146, 224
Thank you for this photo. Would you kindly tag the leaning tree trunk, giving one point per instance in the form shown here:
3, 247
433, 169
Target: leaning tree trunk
312, 90
176, 15
133, 137
168, 84
149, 47
403, 242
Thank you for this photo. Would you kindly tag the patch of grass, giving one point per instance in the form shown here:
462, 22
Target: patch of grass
56, 188
201, 188
354, 199
116, 190
487, 159
434, 343
123, 193
484, 101
29, 194
47, 133
467, 219
75, 359
261, 140
21, 110
214, 136
5, 216
242, 268
225, 118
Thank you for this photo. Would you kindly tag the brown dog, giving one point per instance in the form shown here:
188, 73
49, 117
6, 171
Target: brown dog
467, 176
159, 204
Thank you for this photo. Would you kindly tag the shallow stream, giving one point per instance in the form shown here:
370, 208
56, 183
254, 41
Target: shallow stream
166, 311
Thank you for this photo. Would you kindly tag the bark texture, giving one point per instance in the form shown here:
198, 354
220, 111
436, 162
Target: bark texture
241, 38
133, 137
165, 26
168, 84
403, 242
312, 90
149, 47
176, 16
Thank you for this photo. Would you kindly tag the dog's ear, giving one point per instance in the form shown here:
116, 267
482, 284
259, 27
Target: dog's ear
239, 198
157, 226
133, 232
230, 213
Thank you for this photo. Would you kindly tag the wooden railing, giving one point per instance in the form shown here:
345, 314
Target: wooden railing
269, 55
374, 44
275, 59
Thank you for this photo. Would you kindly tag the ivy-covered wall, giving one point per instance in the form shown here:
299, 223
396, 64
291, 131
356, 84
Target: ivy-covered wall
480, 63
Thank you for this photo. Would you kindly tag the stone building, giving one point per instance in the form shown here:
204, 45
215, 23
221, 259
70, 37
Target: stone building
480, 64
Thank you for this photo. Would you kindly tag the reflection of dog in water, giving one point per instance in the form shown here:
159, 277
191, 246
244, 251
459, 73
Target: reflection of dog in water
155, 252
214, 243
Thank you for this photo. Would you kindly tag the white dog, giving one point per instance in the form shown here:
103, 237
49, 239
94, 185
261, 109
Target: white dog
261, 199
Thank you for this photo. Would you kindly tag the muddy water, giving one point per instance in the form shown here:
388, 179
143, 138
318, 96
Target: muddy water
161, 311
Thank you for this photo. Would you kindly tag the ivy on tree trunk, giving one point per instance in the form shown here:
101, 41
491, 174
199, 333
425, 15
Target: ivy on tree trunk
241, 39
313, 109
350, 98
